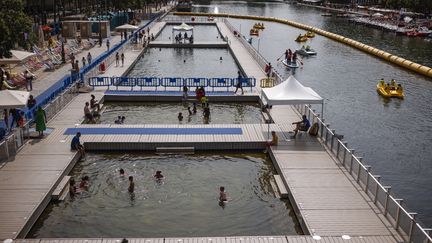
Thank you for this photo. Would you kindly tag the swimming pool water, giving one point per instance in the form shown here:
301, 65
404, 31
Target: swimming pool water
167, 113
186, 63
184, 205
201, 33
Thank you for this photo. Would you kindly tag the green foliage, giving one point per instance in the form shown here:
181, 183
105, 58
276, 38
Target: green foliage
13, 24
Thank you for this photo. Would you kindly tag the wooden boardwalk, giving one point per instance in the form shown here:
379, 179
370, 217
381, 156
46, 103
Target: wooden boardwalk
240, 239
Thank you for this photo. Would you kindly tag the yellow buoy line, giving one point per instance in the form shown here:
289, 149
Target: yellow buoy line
424, 70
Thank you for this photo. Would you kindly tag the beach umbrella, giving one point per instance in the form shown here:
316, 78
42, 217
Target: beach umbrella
13, 99
126, 27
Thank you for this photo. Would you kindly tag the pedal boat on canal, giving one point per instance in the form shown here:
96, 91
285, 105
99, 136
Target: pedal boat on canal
392, 90
259, 26
306, 51
254, 32
301, 38
310, 34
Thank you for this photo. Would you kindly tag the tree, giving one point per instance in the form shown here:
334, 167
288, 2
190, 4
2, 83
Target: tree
13, 24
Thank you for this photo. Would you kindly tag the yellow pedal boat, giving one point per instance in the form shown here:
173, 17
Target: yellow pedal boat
301, 38
310, 34
392, 90
259, 26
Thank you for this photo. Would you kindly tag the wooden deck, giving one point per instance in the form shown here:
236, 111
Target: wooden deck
239, 239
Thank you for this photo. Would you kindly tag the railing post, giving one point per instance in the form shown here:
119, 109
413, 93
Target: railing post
399, 201
378, 178
368, 169
337, 150
332, 139
428, 232
359, 169
388, 189
413, 223
351, 164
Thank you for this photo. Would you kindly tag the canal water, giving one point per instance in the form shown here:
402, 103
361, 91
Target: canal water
392, 135
184, 204
208, 33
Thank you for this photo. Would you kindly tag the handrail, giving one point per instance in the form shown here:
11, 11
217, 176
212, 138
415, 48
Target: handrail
400, 218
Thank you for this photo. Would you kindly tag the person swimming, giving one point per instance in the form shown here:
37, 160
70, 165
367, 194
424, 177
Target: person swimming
158, 175
84, 184
222, 194
189, 110
194, 109
131, 187
122, 172
180, 116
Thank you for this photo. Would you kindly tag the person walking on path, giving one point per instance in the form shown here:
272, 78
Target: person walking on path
89, 58
108, 44
239, 83
117, 59
29, 80
122, 59
83, 60
40, 121
72, 57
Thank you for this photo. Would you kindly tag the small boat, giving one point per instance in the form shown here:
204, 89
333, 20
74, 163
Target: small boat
423, 32
210, 18
306, 51
412, 33
259, 26
327, 15
392, 90
291, 64
310, 34
301, 38
254, 32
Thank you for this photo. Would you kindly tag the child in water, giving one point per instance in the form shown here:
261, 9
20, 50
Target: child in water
131, 187
222, 195
122, 172
158, 175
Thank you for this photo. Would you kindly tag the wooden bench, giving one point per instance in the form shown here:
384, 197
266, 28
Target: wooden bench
62, 189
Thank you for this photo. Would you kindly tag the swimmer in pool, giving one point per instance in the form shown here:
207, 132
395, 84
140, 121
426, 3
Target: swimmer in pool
122, 172
194, 109
222, 194
131, 187
189, 110
84, 184
158, 175
180, 116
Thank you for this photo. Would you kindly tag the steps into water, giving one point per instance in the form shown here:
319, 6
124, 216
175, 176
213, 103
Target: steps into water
282, 189
62, 189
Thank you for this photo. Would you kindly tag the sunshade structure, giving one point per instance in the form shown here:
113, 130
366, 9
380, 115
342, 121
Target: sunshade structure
183, 27
17, 57
126, 27
291, 92
13, 99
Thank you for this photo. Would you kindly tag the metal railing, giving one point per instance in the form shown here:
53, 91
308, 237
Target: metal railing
262, 62
401, 219
177, 19
165, 82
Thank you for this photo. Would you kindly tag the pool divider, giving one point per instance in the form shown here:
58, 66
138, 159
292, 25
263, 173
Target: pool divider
418, 68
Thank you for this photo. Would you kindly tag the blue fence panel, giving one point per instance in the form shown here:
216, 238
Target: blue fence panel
246, 82
195, 82
171, 82
100, 81
148, 82
220, 82
123, 82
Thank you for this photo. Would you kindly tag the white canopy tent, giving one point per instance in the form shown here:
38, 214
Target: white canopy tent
13, 99
126, 27
291, 92
181, 28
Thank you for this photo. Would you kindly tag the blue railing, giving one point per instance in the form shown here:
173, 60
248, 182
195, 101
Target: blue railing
57, 88
156, 82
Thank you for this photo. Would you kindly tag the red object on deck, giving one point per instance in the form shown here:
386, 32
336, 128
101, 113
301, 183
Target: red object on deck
102, 67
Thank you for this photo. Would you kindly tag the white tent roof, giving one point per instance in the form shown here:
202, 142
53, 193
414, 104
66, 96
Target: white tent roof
17, 57
126, 27
291, 92
13, 99
183, 27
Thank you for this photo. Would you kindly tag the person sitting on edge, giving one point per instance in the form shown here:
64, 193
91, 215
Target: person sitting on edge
274, 141
72, 187
94, 103
180, 116
87, 113
222, 194
302, 125
131, 187
122, 172
77, 146
158, 175
189, 110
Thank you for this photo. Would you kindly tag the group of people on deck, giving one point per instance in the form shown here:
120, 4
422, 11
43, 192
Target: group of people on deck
290, 56
178, 38
302, 125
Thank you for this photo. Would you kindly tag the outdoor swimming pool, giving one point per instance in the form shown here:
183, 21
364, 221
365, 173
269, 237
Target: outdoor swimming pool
201, 33
184, 205
166, 113
186, 63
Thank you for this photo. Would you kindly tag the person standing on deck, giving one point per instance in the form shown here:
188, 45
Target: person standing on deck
108, 44
239, 84
89, 58
122, 58
40, 121
117, 59
83, 60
